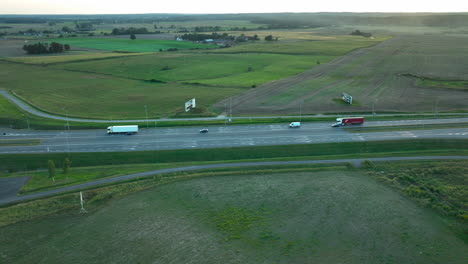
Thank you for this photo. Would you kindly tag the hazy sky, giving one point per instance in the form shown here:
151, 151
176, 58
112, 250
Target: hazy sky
220, 6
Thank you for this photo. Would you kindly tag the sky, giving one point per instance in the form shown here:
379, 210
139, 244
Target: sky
220, 6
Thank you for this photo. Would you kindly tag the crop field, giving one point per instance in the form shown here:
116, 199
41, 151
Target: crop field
137, 45
213, 69
101, 96
300, 217
101, 85
70, 57
313, 45
378, 76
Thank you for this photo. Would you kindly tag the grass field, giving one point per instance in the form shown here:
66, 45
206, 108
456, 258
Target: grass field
72, 57
213, 69
137, 45
375, 76
101, 96
284, 218
116, 91
332, 46
439, 185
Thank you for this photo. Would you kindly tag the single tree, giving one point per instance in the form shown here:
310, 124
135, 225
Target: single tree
269, 38
66, 165
51, 169
132, 36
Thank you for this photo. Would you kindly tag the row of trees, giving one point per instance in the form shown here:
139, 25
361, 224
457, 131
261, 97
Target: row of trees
52, 171
129, 31
217, 36
43, 47
357, 32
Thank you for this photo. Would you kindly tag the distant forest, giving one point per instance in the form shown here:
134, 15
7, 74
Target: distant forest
281, 20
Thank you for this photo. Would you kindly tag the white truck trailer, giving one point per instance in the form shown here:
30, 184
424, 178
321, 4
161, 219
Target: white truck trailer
129, 130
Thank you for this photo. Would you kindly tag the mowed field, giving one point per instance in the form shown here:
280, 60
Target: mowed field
301, 217
70, 57
396, 75
110, 86
101, 96
219, 70
136, 45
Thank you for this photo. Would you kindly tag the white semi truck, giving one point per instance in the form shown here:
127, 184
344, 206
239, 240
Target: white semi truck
128, 130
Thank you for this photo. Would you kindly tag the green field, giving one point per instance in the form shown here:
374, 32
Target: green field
101, 96
213, 69
101, 85
444, 84
332, 46
137, 45
379, 76
287, 218
70, 57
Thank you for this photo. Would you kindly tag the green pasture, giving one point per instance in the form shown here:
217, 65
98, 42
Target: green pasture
336, 46
379, 77
444, 84
101, 96
102, 85
441, 185
70, 57
137, 45
295, 217
213, 69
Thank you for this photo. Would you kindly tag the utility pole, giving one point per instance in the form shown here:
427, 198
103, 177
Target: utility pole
68, 130
300, 111
83, 210
230, 110
373, 110
146, 112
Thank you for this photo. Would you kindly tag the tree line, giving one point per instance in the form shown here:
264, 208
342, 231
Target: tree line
131, 30
44, 47
357, 32
217, 36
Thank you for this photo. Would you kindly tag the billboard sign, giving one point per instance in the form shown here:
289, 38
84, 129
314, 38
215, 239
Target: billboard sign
189, 104
347, 98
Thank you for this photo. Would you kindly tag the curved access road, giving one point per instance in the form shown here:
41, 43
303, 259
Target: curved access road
356, 162
36, 112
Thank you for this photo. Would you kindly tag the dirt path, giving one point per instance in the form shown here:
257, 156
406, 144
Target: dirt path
13, 198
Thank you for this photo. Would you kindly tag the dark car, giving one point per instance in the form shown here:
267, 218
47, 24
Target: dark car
205, 130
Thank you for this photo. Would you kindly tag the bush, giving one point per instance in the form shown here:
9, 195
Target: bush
367, 164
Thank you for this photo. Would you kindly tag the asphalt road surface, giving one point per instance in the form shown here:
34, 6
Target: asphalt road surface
219, 136
9, 198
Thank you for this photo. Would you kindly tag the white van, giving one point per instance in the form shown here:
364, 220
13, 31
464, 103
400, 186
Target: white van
295, 125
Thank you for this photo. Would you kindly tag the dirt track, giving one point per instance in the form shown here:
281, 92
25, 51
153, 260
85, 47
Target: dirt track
372, 75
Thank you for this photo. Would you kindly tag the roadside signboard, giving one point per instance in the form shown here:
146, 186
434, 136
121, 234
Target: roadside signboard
347, 98
189, 104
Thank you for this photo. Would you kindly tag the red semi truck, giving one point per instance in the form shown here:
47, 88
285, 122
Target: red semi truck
348, 121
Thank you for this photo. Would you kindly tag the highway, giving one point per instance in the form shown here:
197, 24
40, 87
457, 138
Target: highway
219, 136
